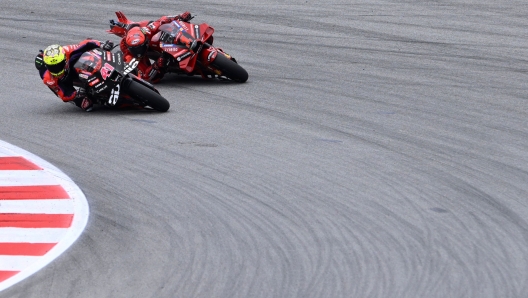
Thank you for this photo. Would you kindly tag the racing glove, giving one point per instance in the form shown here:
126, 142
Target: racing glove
107, 45
186, 16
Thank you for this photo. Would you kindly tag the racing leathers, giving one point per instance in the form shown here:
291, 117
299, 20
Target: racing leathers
63, 86
152, 72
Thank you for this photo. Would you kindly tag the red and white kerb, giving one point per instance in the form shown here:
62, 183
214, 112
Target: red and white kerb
42, 212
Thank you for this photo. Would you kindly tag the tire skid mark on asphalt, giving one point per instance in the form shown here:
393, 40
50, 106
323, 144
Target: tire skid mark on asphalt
42, 212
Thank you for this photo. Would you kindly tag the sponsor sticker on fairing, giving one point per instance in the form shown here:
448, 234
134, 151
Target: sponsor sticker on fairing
169, 45
92, 83
183, 56
102, 88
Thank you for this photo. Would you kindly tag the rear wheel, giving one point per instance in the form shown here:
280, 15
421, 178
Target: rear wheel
146, 96
230, 68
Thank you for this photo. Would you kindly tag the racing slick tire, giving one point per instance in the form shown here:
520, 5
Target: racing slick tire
147, 96
230, 68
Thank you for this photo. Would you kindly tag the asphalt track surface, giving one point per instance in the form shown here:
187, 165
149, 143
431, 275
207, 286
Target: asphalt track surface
378, 149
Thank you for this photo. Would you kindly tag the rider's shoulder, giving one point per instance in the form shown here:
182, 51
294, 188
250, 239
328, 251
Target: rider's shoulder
48, 79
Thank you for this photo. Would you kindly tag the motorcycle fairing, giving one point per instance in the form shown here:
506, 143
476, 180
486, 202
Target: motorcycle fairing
187, 33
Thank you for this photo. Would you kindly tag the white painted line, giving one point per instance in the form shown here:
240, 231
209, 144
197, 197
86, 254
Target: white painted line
56, 206
23, 235
16, 263
24, 178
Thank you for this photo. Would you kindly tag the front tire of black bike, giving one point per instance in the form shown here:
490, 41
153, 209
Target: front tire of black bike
147, 96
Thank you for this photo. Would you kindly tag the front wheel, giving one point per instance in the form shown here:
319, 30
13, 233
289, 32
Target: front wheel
146, 96
230, 68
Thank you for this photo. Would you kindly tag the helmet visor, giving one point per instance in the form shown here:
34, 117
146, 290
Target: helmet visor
56, 69
139, 51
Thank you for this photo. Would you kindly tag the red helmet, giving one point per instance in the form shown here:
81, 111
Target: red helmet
136, 42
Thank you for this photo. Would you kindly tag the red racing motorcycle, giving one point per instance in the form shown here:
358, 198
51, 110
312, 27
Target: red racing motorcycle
205, 59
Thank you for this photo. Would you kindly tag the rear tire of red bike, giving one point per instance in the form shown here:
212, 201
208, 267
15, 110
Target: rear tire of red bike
230, 68
147, 96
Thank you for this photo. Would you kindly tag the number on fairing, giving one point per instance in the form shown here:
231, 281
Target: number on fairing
114, 95
131, 66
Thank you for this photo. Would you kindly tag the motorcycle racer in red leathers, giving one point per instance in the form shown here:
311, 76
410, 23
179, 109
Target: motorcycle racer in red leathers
55, 66
137, 41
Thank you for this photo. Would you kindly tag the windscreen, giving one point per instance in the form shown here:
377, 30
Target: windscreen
89, 62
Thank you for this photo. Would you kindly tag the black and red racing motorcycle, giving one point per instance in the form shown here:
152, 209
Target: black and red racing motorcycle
109, 81
205, 59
